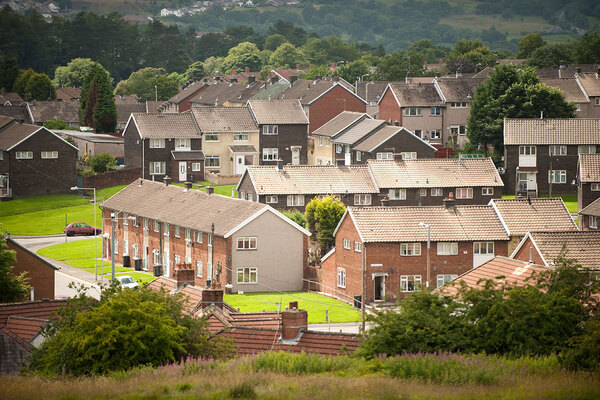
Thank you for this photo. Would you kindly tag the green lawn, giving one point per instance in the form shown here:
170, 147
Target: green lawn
45, 215
224, 190
314, 303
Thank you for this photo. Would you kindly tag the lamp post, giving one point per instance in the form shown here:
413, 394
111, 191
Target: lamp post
95, 230
428, 252
155, 93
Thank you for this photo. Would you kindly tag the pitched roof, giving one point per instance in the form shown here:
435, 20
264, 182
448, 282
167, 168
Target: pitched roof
584, 246
155, 200
219, 93
19, 113
359, 131
591, 209
311, 179
499, 269
520, 216
569, 87
590, 83
371, 91
11, 97
536, 131
287, 74
340, 122
589, 167
166, 125
409, 95
12, 244
308, 91
68, 93
401, 224
5, 121
188, 91
124, 110
383, 135
41, 309
163, 283
566, 71
224, 119
189, 155
280, 112
25, 327
43, 111
221, 318
153, 106
458, 89
435, 173
15, 133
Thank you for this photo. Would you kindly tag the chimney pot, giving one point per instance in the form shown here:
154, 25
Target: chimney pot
167, 180
293, 305
212, 296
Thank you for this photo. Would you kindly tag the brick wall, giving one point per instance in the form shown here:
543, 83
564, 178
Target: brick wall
389, 109
414, 198
112, 178
287, 136
524, 253
331, 104
40, 274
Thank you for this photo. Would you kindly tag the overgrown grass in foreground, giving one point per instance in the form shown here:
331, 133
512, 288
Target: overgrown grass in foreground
300, 376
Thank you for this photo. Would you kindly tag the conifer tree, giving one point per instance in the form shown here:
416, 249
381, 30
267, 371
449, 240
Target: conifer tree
97, 104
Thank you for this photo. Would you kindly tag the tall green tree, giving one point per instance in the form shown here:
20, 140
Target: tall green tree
97, 103
243, 55
293, 34
470, 56
510, 93
149, 83
552, 55
22, 80
322, 217
529, 43
40, 87
12, 287
9, 70
195, 70
286, 56
74, 73
587, 50
353, 71
396, 66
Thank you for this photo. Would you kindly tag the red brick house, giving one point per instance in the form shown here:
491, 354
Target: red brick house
382, 251
39, 271
589, 216
588, 179
181, 102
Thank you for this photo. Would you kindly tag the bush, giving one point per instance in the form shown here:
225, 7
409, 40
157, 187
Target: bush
102, 162
295, 216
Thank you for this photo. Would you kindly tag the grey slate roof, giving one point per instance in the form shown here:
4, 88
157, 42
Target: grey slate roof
308, 91
359, 131
243, 148
224, 119
278, 112
219, 93
166, 125
584, 246
43, 111
409, 95
339, 123
551, 131
458, 89
381, 136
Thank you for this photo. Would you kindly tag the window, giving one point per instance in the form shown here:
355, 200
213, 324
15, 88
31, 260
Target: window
437, 192
435, 111
125, 247
357, 155
156, 258
242, 196
187, 260
362, 199
483, 248
347, 244
270, 130
199, 269
183, 144
156, 226
212, 137
595, 187
527, 150
558, 150
586, 149
447, 248
125, 220
412, 111
464, 193
198, 236
295, 200
246, 275
177, 259
157, 143
339, 148
177, 231
157, 168
458, 130
435, 134
49, 154
240, 137
270, 154
397, 194
319, 140
209, 239
385, 156
410, 283
423, 192
249, 197
419, 133
146, 224
557, 176
458, 105
212, 162
24, 155
597, 102
358, 247
593, 222
196, 167
577, 107
246, 243
341, 278
487, 191
409, 155
135, 251
166, 229
410, 249
442, 279
188, 234
135, 222
271, 199
327, 142
116, 249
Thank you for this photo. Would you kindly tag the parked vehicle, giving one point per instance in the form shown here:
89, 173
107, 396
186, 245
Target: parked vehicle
127, 281
81, 228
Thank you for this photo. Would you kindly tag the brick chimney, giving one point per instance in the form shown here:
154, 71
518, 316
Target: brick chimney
233, 80
293, 321
210, 190
578, 70
212, 296
167, 180
184, 274
247, 70
449, 201
293, 79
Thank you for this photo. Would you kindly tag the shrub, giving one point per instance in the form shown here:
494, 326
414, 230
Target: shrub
295, 216
102, 162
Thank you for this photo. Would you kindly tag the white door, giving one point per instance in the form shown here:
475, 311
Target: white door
166, 264
295, 155
182, 171
347, 156
532, 181
239, 164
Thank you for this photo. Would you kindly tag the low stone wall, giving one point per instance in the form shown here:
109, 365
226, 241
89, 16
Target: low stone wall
112, 178
220, 179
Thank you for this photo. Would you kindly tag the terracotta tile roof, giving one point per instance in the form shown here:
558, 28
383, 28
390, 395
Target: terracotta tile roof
541, 215
224, 119
280, 112
590, 83
555, 131
409, 95
14, 133
167, 125
360, 130
222, 317
68, 93
499, 269
458, 89
41, 309
43, 111
311, 179
401, 224
569, 87
155, 200
435, 173
219, 93
340, 123
308, 91
164, 283
124, 110
582, 246
589, 167
24, 327
592, 209
192, 298
371, 91
376, 139
19, 113
287, 73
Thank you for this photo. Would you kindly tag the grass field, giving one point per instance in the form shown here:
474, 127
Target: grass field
317, 305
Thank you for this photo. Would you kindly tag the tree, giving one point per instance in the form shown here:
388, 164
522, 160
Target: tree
551, 55
322, 217
354, 71
12, 287
508, 93
75, 72
195, 70
470, 56
395, 66
97, 103
295, 216
149, 83
529, 43
286, 56
9, 70
274, 41
212, 64
243, 55
293, 34
39, 87
587, 50
21, 81
102, 162
59, 124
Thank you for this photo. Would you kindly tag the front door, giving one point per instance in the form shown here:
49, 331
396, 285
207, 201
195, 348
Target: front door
527, 181
182, 171
239, 164
295, 155
379, 288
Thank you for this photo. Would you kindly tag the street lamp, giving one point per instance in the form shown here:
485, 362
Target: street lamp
428, 252
155, 93
95, 229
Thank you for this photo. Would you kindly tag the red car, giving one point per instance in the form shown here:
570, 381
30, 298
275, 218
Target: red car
81, 228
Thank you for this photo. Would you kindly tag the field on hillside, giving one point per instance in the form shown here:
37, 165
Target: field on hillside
513, 26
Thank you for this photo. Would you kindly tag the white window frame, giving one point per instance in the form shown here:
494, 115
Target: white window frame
241, 136
196, 167
557, 150
270, 154
437, 192
483, 248
459, 130
211, 160
339, 148
341, 278
295, 200
158, 167
412, 112
157, 143
527, 150
447, 248
270, 129
357, 155
49, 154
177, 259
410, 249
419, 133
116, 249
198, 236
557, 176
177, 230
199, 268
250, 197
487, 191
409, 155
358, 247
593, 222
385, 155
183, 144
271, 199
24, 155
125, 218
464, 193
156, 256
458, 105
135, 251
156, 226
166, 229
586, 149
362, 199
212, 137
407, 280
188, 234
595, 187
346, 244
442, 279
327, 142
423, 192
249, 275
146, 224
125, 247
135, 222
435, 134
435, 111
397, 194
247, 243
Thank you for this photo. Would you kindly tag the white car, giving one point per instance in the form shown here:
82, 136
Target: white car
127, 281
